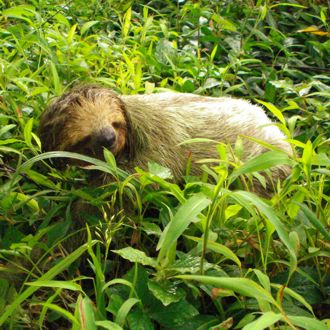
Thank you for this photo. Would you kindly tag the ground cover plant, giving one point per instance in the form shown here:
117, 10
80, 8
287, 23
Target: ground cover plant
207, 254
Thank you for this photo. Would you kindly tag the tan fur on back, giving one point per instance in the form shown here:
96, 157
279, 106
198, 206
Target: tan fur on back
156, 124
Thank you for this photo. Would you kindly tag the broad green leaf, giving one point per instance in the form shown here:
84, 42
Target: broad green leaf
263, 279
264, 321
232, 210
186, 214
21, 12
6, 128
72, 33
166, 291
308, 323
262, 162
28, 132
86, 314
87, 26
139, 320
294, 295
135, 255
276, 112
158, 170
127, 22
124, 310
219, 248
242, 286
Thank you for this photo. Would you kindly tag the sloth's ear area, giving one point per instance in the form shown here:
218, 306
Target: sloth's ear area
48, 137
129, 150
136, 139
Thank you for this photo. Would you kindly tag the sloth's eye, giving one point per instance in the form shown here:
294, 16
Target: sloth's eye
82, 144
117, 124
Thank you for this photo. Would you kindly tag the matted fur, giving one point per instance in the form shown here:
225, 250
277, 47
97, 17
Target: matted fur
151, 127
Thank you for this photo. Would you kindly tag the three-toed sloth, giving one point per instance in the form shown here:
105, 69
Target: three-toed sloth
138, 129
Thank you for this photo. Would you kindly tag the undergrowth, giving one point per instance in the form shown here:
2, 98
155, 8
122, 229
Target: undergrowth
151, 254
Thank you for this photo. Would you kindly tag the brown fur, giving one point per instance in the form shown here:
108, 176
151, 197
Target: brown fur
152, 127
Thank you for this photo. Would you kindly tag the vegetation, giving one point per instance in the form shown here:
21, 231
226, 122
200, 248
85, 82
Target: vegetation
157, 255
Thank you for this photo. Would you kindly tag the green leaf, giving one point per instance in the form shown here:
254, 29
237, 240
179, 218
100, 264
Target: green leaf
28, 132
127, 22
87, 26
219, 248
266, 320
314, 220
186, 214
232, 210
166, 291
263, 279
56, 80
276, 112
68, 285
86, 314
308, 323
97, 164
21, 12
124, 310
118, 281
108, 325
173, 315
6, 128
61, 311
242, 286
270, 216
25, 199
135, 255
40, 179
294, 295
139, 320
262, 162
158, 170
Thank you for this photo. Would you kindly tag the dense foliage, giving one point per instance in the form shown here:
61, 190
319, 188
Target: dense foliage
157, 255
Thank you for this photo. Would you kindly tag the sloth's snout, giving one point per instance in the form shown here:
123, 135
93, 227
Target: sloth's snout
105, 137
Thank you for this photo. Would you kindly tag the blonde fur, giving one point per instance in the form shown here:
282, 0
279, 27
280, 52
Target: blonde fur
152, 127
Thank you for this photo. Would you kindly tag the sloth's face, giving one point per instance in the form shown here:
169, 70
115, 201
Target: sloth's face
102, 132
85, 120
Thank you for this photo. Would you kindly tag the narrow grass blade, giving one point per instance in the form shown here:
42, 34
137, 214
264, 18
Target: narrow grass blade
314, 220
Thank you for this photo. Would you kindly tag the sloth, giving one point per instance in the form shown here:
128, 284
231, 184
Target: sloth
139, 129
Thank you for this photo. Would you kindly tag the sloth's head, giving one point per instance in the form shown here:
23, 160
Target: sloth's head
85, 120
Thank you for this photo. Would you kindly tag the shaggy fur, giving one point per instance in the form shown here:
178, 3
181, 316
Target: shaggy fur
142, 128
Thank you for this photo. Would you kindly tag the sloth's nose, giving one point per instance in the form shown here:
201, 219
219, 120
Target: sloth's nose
105, 137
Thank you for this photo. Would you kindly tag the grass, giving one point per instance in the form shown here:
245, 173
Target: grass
197, 256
